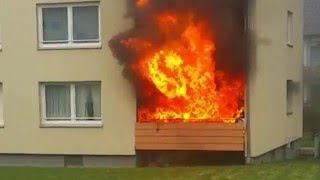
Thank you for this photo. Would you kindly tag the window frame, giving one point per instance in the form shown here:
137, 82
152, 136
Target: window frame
72, 121
290, 28
0, 38
70, 43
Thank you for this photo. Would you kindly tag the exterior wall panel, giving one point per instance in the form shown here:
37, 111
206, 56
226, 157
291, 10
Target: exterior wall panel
23, 66
273, 63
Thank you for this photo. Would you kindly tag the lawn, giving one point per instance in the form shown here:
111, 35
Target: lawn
290, 170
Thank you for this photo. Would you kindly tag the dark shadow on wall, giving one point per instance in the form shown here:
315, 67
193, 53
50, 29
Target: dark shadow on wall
188, 158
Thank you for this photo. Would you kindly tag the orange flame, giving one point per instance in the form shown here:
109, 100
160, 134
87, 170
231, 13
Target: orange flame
185, 84
141, 3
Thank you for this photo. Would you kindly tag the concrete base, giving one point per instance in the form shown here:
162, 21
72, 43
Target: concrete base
143, 159
287, 152
149, 158
67, 161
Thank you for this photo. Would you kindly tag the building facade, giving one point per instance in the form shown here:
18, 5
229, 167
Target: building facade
276, 78
63, 93
312, 65
35, 69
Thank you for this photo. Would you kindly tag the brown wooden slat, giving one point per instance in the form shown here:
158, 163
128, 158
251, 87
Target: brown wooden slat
191, 140
190, 136
190, 133
185, 126
201, 147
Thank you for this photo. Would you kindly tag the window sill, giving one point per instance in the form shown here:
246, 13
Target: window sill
290, 45
57, 124
70, 46
289, 113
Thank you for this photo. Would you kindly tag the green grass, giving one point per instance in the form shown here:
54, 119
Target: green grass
307, 140
289, 170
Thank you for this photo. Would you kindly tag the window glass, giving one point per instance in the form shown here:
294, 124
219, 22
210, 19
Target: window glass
85, 23
55, 24
88, 100
58, 101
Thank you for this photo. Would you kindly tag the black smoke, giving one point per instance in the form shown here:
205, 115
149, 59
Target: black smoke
226, 19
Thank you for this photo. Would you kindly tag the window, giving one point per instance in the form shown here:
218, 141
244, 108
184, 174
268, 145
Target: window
289, 28
0, 39
69, 26
71, 104
1, 106
290, 89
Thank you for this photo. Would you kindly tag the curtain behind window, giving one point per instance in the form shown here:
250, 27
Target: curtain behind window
58, 101
88, 100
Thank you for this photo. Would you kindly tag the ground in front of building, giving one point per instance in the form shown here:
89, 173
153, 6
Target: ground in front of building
306, 169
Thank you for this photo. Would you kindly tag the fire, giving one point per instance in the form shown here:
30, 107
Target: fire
177, 76
141, 3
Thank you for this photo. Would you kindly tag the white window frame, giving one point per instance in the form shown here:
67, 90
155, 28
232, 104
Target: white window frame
72, 121
70, 43
0, 38
290, 28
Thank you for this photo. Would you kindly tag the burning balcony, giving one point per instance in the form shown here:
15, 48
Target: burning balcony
187, 63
